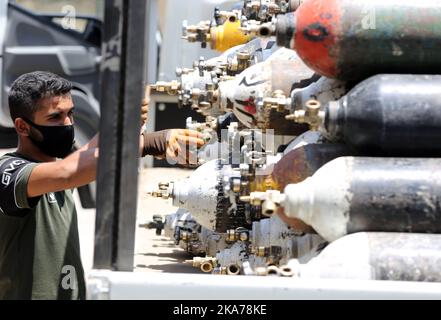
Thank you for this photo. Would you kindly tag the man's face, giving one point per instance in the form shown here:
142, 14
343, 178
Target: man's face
55, 111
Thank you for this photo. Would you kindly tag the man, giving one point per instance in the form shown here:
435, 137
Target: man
39, 245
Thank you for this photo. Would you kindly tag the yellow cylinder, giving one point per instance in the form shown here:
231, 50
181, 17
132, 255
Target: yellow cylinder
228, 36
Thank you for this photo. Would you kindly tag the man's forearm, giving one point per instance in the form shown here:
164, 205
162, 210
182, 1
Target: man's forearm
76, 170
81, 167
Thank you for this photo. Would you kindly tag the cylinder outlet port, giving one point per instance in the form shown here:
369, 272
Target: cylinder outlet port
207, 267
233, 270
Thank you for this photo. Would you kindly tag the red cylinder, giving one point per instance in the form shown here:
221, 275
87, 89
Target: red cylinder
353, 39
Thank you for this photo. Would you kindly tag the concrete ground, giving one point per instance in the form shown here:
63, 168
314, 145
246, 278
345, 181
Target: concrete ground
157, 253
152, 253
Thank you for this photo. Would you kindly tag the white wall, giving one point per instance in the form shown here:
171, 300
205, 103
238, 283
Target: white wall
175, 51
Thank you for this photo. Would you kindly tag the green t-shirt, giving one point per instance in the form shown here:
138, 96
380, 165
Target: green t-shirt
39, 242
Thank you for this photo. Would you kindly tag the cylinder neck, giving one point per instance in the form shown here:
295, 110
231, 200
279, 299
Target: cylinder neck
285, 30
334, 117
297, 200
294, 5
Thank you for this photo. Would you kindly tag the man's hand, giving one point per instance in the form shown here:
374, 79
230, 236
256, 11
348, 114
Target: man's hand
178, 146
182, 146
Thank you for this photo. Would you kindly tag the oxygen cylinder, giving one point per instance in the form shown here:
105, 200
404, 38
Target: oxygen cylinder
243, 94
221, 37
228, 35
294, 167
198, 194
350, 195
352, 40
201, 194
397, 115
376, 256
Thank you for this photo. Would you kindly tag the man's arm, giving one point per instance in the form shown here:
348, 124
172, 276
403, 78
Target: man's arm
173, 144
76, 170
80, 168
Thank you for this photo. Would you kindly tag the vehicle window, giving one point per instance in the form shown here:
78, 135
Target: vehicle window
67, 11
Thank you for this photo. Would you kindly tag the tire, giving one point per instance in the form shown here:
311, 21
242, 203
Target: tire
86, 126
8, 138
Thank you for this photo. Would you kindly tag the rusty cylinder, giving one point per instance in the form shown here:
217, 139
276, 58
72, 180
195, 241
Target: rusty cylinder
351, 40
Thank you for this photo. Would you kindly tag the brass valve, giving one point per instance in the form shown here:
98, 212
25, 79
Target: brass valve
231, 235
259, 251
172, 88
270, 7
206, 264
240, 62
312, 115
255, 28
164, 191
269, 201
182, 71
277, 101
237, 235
222, 16
185, 236
210, 124
197, 33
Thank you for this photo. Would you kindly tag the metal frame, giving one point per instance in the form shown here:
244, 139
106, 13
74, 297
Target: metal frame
104, 285
122, 78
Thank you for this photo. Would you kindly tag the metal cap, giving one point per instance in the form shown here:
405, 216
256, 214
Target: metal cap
332, 122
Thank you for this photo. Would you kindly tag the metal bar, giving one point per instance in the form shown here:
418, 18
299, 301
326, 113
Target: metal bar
152, 64
122, 78
174, 286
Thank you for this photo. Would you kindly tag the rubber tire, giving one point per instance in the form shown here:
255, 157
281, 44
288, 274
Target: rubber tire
8, 138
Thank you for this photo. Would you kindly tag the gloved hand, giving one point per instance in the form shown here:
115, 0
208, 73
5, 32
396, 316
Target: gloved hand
178, 146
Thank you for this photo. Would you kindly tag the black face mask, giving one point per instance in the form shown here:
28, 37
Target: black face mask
58, 141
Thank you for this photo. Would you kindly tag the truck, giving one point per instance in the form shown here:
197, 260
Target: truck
33, 40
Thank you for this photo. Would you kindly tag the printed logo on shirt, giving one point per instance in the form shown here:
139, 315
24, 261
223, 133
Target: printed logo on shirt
51, 197
10, 168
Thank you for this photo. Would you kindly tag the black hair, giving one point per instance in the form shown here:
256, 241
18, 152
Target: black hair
28, 89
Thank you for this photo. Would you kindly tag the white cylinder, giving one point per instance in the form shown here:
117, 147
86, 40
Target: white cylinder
198, 194
322, 200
